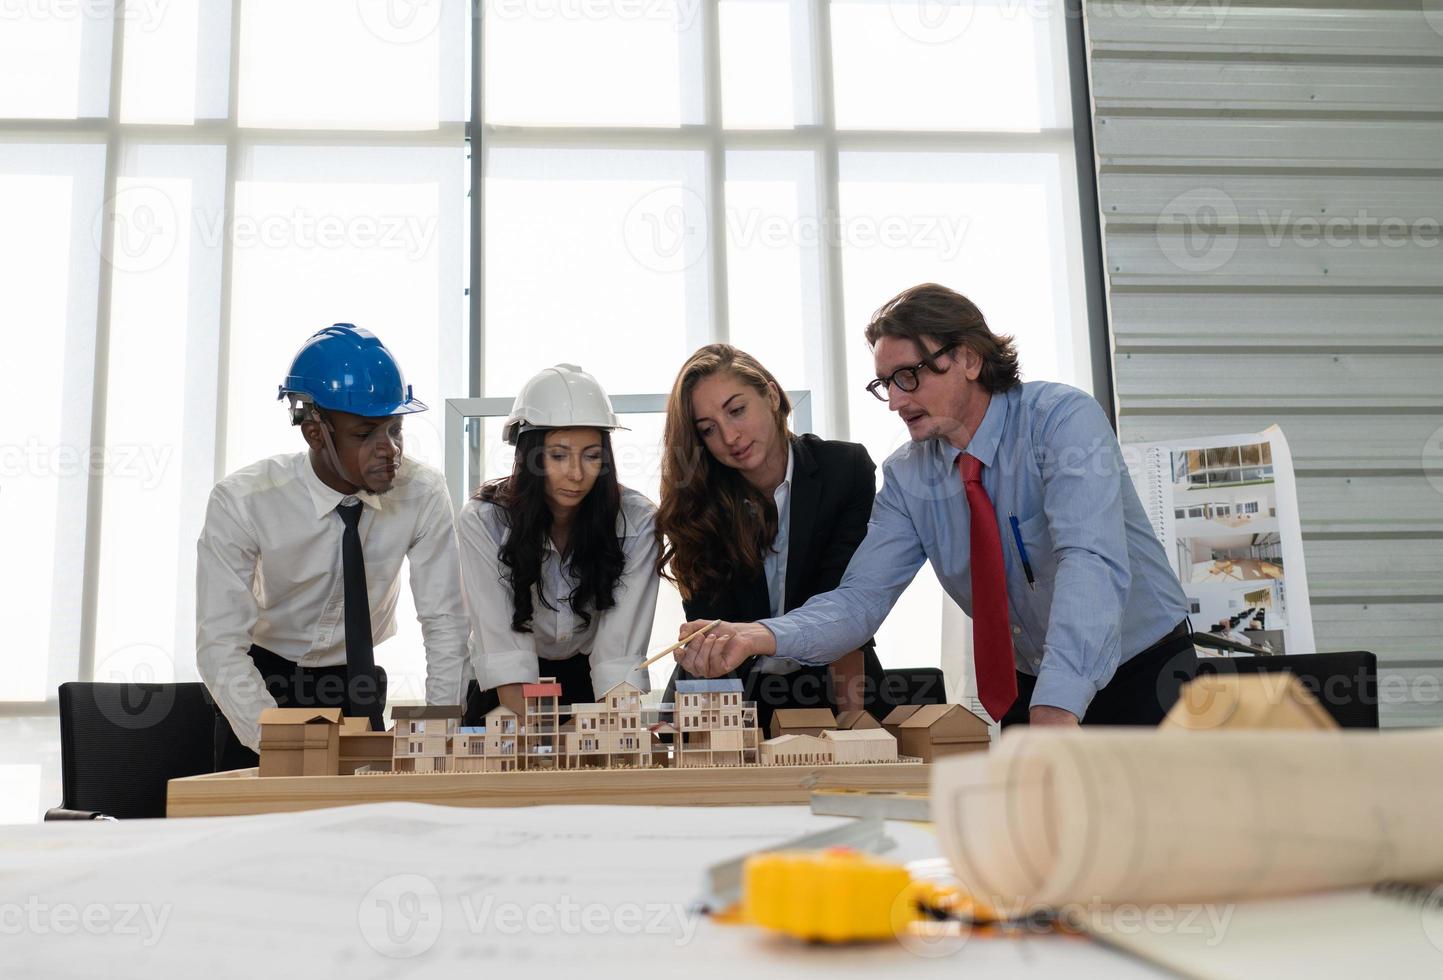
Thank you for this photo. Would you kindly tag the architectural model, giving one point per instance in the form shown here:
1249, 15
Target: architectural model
707, 726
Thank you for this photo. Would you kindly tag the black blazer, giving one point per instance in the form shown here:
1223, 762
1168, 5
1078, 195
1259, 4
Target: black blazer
833, 484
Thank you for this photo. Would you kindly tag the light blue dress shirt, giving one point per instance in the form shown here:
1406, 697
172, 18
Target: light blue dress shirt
775, 562
775, 565
1104, 590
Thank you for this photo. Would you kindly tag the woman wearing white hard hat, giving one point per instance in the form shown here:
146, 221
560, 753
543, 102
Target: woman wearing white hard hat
558, 559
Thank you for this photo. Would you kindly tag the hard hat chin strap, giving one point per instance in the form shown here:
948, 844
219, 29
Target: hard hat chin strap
334, 457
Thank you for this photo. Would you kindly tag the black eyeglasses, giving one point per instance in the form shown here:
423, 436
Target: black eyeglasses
906, 378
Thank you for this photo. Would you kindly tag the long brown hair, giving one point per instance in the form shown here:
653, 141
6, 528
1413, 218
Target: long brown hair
714, 526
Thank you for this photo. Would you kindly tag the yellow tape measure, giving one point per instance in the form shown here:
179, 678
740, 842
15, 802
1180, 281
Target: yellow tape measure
836, 895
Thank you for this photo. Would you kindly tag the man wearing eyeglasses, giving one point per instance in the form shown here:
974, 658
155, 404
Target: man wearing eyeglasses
1018, 496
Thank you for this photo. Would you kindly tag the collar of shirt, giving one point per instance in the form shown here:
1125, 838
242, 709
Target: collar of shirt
784, 489
325, 499
984, 442
774, 564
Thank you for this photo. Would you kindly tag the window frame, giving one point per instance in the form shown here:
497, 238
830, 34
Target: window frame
826, 141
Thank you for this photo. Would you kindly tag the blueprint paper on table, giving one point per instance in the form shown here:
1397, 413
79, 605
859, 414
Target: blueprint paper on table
396, 889
360, 888
1226, 511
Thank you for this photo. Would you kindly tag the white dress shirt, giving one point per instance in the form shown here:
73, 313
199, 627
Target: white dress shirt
775, 565
269, 572
617, 637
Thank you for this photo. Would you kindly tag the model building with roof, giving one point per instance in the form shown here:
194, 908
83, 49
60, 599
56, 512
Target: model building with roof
801, 721
609, 733
300, 741
932, 731
714, 727
487, 748
852, 720
861, 745
541, 725
363, 749
797, 750
423, 737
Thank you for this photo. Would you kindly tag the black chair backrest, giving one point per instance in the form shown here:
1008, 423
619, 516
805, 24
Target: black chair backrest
120, 743
1345, 684
914, 685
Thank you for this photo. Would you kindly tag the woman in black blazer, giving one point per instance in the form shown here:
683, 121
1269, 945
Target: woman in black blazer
756, 521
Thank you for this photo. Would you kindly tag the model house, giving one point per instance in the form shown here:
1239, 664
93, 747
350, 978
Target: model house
609, 733
422, 737
583, 738
541, 725
931, 731
797, 750
850, 720
860, 745
892, 722
663, 737
801, 721
502, 731
486, 748
713, 726
361, 748
300, 741
468, 749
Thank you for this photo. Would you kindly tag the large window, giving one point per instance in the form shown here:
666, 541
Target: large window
659, 175
190, 189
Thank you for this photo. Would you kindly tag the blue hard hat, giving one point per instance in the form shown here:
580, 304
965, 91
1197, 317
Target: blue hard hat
344, 368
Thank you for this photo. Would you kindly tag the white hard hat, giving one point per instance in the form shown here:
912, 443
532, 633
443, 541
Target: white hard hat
560, 397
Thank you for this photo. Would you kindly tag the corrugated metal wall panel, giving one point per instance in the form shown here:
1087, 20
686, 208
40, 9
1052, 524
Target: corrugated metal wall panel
1271, 188
1178, 83
1386, 321
1396, 30
1227, 138
1347, 379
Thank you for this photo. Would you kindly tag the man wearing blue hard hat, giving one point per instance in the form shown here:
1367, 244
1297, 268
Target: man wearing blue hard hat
300, 558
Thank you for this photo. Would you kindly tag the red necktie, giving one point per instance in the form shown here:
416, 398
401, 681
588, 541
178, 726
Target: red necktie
991, 638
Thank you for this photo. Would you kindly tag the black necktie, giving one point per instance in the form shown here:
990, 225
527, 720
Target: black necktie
361, 684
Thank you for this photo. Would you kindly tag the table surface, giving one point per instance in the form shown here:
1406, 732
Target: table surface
384, 889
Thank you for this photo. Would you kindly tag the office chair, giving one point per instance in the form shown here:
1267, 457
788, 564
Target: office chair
1345, 684
120, 743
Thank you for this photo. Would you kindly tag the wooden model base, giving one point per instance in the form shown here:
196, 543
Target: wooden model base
242, 791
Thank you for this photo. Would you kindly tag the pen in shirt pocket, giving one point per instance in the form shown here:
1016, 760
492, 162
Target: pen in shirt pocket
1022, 551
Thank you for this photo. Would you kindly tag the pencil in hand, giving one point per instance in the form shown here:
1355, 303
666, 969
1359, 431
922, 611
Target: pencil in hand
678, 644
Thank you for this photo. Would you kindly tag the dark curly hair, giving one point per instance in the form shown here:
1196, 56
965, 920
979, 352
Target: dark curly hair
594, 555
